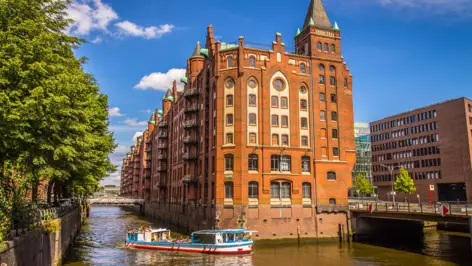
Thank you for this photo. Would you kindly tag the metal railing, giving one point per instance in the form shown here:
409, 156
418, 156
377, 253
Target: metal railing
464, 209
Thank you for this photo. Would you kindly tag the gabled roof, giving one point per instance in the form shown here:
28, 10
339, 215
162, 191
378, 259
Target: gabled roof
317, 13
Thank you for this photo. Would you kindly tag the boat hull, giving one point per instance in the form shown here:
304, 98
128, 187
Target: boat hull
237, 248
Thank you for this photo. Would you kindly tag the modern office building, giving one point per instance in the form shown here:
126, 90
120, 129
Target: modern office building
258, 138
363, 151
434, 143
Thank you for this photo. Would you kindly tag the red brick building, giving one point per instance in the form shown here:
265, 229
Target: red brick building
259, 138
433, 143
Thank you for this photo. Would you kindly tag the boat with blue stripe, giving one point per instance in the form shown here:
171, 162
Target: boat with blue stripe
218, 241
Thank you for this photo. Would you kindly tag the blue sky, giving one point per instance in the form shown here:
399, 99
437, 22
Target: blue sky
402, 53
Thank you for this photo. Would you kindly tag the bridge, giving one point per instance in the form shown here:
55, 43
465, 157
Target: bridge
117, 201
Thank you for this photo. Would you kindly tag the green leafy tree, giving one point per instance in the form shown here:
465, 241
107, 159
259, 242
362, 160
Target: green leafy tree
404, 183
363, 185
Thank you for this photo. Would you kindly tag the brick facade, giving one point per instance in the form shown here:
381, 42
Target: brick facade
259, 138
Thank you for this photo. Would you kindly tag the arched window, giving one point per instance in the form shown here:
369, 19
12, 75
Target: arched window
230, 61
252, 100
285, 192
275, 139
306, 190
333, 48
229, 100
325, 46
319, 46
228, 190
275, 190
253, 162
331, 175
302, 68
332, 201
285, 163
305, 164
332, 68
252, 138
275, 101
253, 190
252, 61
321, 67
252, 119
228, 162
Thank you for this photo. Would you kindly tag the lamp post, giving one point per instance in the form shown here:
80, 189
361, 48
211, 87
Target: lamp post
393, 179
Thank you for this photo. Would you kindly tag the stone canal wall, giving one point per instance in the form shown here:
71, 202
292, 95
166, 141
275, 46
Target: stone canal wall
41, 248
269, 222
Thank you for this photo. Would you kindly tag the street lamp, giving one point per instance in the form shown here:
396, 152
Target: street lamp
393, 178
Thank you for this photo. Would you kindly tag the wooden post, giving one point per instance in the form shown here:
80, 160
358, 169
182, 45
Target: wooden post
340, 233
298, 234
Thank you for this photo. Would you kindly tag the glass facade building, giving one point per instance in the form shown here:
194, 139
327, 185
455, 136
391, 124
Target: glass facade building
363, 151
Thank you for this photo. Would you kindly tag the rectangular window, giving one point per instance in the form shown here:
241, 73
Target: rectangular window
275, 139
303, 105
334, 133
252, 138
322, 115
285, 140
333, 98
252, 100
229, 162
284, 121
285, 163
284, 102
275, 120
304, 123
470, 120
229, 119
334, 116
252, 119
335, 151
275, 101
229, 100
322, 80
322, 97
228, 190
332, 81
304, 141
274, 163
345, 82
470, 107
229, 138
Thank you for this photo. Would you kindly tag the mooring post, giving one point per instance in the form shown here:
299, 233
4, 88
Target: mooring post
340, 233
298, 234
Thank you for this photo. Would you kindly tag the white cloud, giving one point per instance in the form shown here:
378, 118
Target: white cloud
147, 111
96, 16
161, 81
97, 40
458, 7
128, 28
114, 111
135, 123
136, 135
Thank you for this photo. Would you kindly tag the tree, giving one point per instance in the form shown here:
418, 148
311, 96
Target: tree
363, 185
404, 183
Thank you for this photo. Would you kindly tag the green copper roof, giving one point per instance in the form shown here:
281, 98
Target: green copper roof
204, 52
336, 27
298, 32
170, 98
311, 23
152, 120
226, 46
160, 112
184, 80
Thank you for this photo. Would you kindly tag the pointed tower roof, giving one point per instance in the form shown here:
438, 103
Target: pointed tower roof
298, 32
196, 51
336, 27
317, 14
168, 93
152, 120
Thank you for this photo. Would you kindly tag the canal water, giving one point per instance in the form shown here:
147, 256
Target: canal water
101, 242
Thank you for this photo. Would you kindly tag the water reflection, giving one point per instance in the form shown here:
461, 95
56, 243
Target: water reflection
101, 242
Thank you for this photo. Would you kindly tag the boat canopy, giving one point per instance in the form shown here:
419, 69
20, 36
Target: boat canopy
227, 231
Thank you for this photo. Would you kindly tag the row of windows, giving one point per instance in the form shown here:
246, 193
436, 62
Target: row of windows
332, 80
278, 190
410, 165
407, 154
414, 175
275, 139
284, 119
326, 47
406, 131
404, 121
406, 143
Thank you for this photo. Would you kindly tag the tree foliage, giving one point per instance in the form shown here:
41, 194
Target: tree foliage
363, 185
404, 183
53, 117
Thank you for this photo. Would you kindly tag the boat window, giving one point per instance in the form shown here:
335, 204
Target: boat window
204, 238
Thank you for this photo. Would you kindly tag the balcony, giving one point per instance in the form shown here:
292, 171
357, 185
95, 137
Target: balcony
189, 179
162, 146
190, 123
192, 108
162, 156
162, 168
190, 156
162, 135
162, 124
191, 92
190, 140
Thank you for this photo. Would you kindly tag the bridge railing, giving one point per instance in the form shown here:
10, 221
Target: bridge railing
464, 209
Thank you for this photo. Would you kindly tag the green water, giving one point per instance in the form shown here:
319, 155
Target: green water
102, 238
